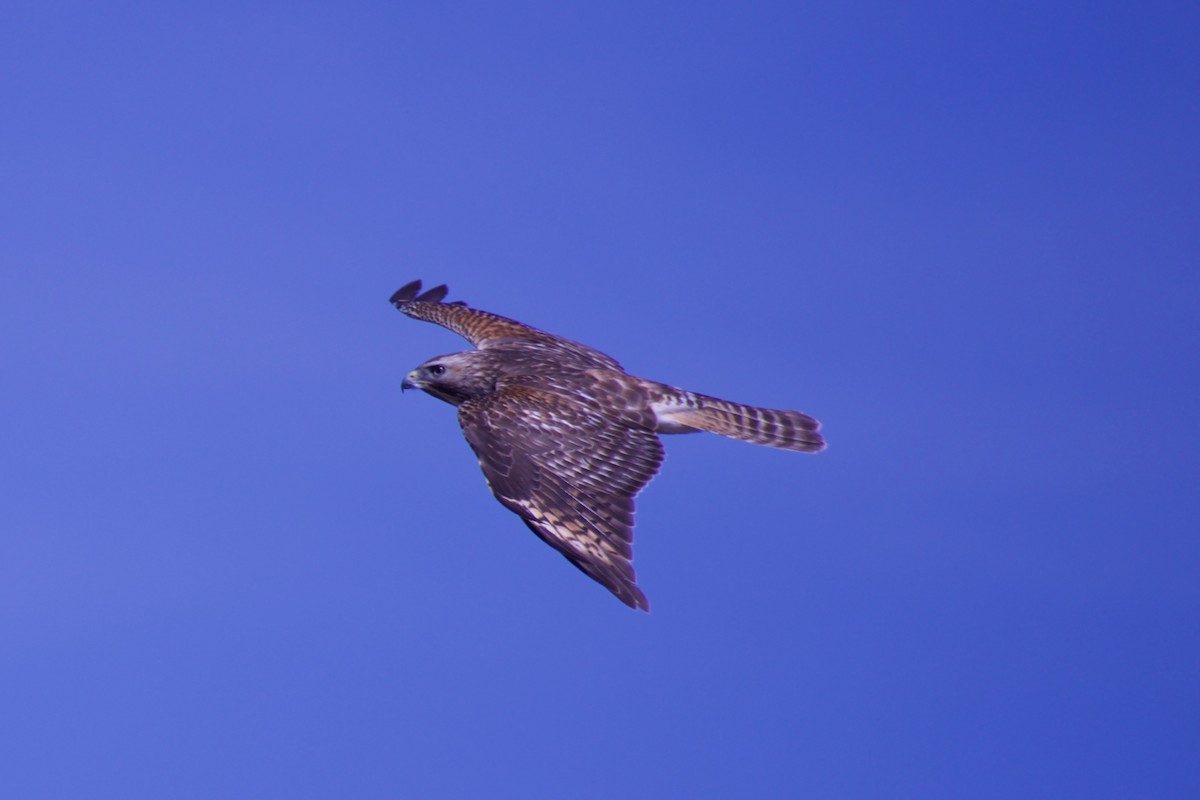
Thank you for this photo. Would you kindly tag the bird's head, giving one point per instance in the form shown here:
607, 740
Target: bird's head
454, 378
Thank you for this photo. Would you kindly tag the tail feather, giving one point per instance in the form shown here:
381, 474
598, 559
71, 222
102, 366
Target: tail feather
789, 430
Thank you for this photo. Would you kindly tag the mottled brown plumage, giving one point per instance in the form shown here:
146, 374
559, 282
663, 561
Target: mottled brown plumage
566, 438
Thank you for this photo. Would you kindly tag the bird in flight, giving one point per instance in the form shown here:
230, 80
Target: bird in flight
566, 438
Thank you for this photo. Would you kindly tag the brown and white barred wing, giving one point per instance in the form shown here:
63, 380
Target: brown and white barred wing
570, 473
680, 411
484, 329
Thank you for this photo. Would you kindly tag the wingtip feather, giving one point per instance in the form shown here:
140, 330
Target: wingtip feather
411, 293
434, 295
630, 595
405, 294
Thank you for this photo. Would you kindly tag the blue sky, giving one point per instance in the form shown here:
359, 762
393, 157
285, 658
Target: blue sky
236, 562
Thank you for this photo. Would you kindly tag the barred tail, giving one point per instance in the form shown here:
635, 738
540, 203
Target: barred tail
689, 411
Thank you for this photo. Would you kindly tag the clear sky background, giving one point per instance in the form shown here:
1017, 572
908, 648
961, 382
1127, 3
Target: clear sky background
236, 563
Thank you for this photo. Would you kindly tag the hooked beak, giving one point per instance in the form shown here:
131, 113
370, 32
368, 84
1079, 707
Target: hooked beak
410, 382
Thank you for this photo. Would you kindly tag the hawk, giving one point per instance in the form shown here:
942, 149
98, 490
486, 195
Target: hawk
566, 438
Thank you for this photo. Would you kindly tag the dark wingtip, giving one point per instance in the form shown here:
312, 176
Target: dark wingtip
632, 596
434, 295
405, 294
411, 293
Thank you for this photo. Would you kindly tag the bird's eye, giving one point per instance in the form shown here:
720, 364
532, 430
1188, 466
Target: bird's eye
437, 370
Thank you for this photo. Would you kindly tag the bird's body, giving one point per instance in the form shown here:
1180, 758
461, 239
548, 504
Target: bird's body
565, 437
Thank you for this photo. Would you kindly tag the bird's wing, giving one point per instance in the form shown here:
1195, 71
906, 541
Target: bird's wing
483, 328
570, 473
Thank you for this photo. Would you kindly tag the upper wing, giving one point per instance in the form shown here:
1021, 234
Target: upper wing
483, 328
570, 473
